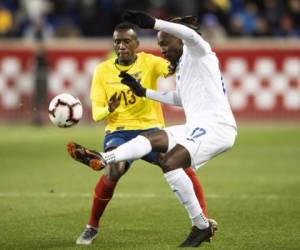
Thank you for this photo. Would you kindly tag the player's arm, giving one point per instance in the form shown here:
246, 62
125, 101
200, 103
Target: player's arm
100, 111
98, 97
101, 105
170, 97
190, 37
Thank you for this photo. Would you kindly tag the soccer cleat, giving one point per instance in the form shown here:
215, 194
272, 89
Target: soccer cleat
86, 156
197, 236
87, 236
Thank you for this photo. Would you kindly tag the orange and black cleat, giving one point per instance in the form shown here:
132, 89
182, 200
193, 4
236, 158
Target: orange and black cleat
86, 156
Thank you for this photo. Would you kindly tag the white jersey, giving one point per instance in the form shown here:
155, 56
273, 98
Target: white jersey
199, 83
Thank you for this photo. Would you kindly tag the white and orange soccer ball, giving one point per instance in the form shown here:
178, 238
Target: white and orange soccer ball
65, 110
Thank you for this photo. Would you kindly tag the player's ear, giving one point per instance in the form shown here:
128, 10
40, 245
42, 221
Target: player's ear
137, 43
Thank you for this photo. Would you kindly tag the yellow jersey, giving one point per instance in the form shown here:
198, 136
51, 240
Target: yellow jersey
134, 112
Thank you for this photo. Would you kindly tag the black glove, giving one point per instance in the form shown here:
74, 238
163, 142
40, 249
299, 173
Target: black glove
114, 102
139, 18
133, 84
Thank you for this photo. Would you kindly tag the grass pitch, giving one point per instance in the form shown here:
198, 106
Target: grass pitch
45, 196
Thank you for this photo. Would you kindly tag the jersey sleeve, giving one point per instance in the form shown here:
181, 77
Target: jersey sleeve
98, 96
169, 97
99, 112
190, 38
97, 93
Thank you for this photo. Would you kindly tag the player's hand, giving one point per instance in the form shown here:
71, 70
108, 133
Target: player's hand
141, 19
133, 84
114, 102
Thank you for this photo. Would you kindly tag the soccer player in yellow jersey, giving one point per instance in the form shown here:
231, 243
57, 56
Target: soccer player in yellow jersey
127, 116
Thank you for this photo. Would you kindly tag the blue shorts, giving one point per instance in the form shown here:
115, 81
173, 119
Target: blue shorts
118, 138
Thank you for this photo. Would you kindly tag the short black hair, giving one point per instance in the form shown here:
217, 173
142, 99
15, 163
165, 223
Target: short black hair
125, 26
189, 21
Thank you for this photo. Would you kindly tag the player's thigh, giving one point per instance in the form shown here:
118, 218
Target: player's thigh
174, 135
217, 139
204, 141
114, 140
155, 138
177, 157
158, 140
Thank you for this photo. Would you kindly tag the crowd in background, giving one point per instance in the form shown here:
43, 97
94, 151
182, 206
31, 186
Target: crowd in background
96, 18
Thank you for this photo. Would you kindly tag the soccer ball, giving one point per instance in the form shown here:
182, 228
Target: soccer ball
65, 110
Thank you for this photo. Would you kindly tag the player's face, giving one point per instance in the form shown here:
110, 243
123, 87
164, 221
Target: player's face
170, 46
125, 45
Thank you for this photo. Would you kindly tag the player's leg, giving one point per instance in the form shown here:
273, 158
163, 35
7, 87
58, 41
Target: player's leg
104, 190
179, 157
172, 165
196, 145
155, 157
105, 187
103, 193
199, 191
131, 150
182, 186
138, 147
91, 159
157, 141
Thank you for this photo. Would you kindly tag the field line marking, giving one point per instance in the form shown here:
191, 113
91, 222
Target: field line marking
143, 195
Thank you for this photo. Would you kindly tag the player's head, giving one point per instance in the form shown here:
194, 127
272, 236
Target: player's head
172, 47
125, 42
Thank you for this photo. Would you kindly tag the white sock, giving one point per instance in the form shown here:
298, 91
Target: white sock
182, 186
89, 226
131, 150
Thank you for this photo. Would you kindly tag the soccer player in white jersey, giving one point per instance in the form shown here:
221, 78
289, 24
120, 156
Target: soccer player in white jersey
210, 127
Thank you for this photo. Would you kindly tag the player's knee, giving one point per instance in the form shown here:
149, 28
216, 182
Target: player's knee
116, 171
114, 176
159, 160
167, 164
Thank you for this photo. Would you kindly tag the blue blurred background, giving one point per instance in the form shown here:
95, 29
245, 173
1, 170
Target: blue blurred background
96, 18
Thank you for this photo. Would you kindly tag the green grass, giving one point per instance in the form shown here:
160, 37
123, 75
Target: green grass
45, 197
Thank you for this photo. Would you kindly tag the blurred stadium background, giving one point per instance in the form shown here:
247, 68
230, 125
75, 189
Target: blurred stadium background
52, 46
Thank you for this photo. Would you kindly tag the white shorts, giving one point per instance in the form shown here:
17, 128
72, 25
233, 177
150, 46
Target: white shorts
203, 141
